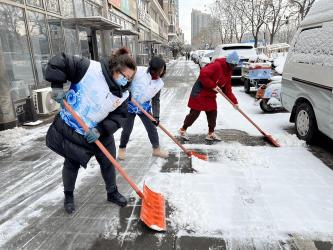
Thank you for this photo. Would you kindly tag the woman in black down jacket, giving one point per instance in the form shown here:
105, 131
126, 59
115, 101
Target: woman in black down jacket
99, 95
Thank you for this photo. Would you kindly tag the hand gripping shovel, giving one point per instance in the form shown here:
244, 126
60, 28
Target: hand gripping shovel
153, 204
268, 137
186, 151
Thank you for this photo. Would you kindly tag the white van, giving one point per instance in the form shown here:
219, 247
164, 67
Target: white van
246, 51
307, 84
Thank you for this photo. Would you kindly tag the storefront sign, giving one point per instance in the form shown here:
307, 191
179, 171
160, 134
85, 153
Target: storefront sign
128, 7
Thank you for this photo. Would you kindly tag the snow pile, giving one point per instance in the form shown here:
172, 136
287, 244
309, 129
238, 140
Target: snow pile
288, 140
21, 136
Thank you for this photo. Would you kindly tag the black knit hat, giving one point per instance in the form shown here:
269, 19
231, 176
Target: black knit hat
156, 64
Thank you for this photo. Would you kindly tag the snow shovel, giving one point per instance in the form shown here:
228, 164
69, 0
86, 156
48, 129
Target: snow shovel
268, 137
153, 204
186, 151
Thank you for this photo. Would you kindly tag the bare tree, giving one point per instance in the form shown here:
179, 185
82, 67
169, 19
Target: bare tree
302, 7
256, 12
277, 17
220, 21
239, 24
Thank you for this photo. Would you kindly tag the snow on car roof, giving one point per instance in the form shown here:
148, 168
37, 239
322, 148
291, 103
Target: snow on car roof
321, 11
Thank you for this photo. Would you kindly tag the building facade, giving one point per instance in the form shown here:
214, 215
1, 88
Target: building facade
199, 21
32, 31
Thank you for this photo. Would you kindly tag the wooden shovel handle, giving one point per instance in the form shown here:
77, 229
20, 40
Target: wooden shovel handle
105, 151
161, 126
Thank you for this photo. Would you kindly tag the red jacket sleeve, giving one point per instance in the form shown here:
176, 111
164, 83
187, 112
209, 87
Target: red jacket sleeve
228, 91
206, 75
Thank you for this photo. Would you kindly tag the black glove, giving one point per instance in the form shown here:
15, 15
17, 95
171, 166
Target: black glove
156, 122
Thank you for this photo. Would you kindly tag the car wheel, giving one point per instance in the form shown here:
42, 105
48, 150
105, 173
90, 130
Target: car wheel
265, 107
247, 86
305, 123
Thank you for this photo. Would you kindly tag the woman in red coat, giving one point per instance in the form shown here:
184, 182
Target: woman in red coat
203, 96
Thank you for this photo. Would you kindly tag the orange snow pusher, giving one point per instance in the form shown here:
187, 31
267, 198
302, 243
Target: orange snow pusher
268, 137
186, 151
153, 203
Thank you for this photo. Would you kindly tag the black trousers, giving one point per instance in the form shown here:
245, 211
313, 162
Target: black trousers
193, 116
71, 168
128, 128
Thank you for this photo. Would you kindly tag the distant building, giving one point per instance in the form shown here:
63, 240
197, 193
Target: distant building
199, 21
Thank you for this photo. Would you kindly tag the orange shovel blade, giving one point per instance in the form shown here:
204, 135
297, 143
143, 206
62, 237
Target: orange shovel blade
199, 156
153, 209
270, 139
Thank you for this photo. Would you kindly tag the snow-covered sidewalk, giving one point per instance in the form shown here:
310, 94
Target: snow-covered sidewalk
258, 193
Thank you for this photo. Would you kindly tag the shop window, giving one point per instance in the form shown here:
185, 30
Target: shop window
117, 42
83, 37
36, 3
67, 8
57, 40
16, 72
99, 43
53, 6
40, 42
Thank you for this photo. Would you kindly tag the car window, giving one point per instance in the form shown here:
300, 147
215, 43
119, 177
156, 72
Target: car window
314, 46
237, 47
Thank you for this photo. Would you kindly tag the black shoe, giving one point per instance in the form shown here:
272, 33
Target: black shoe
117, 198
69, 202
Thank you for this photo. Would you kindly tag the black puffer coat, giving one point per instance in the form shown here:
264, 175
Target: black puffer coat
63, 139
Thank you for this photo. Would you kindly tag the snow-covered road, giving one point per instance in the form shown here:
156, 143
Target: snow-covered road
248, 194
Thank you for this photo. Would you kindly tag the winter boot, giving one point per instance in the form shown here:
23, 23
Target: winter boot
117, 198
69, 202
160, 153
121, 153
213, 137
182, 133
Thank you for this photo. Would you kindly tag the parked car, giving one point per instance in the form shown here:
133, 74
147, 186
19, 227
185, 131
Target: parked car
245, 51
206, 58
196, 55
307, 85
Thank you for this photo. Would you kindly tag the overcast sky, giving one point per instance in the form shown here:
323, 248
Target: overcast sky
185, 8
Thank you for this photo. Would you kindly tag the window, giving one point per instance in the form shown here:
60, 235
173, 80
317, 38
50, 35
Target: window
15, 62
57, 40
71, 42
83, 37
67, 9
89, 9
79, 9
53, 6
314, 46
117, 42
40, 42
37, 3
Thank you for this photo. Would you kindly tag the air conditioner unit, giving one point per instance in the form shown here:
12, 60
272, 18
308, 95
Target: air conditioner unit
44, 104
